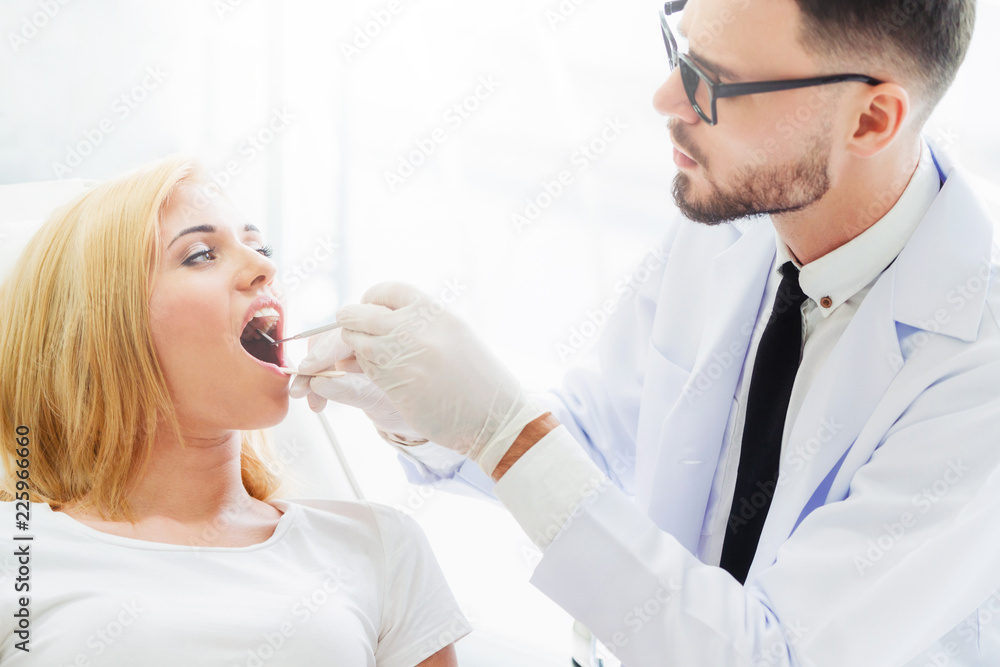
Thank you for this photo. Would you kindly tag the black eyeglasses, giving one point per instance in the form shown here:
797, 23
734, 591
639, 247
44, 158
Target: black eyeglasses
703, 97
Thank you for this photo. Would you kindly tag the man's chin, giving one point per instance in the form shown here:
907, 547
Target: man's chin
698, 207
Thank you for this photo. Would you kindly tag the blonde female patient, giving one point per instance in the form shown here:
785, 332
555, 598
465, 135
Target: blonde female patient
157, 537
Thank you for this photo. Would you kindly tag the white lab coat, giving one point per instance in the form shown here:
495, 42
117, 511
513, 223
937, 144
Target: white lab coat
882, 543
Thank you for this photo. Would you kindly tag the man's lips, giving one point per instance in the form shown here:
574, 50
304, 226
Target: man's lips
682, 151
683, 156
683, 160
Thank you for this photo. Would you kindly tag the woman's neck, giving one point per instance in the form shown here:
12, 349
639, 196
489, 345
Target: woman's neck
192, 495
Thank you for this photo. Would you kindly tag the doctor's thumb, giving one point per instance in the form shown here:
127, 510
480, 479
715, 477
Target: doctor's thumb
393, 295
353, 389
299, 387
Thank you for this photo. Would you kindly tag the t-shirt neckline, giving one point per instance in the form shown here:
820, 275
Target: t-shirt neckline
289, 512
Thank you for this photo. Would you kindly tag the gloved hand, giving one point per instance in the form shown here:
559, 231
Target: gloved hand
327, 351
442, 380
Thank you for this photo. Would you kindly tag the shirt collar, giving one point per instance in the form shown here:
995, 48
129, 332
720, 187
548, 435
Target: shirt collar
840, 274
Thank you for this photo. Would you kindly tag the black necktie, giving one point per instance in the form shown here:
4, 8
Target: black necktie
770, 390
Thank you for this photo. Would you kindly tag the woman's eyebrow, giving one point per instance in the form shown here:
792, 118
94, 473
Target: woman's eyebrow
207, 229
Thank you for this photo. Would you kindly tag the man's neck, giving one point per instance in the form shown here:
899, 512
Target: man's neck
863, 191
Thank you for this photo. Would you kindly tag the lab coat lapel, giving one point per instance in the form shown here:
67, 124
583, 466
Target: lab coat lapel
690, 438
955, 238
840, 401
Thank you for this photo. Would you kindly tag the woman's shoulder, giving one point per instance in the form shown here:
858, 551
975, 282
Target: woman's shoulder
14, 513
377, 520
358, 509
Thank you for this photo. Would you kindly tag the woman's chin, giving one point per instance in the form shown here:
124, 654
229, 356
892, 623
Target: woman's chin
267, 411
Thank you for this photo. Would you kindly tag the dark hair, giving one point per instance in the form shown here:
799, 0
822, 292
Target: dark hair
922, 41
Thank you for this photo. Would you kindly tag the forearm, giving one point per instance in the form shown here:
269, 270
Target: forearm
446, 657
529, 436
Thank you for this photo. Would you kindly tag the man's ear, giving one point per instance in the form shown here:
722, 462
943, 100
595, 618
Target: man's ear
882, 112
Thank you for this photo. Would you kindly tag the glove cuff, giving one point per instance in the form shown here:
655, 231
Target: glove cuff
400, 439
491, 453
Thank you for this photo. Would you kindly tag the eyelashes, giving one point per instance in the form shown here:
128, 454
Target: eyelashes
266, 251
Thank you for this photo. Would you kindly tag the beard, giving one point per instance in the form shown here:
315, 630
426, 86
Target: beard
756, 190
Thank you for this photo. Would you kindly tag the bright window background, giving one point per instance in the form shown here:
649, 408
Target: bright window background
300, 131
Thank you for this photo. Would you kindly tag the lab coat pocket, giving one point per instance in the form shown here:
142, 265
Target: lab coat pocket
662, 391
662, 395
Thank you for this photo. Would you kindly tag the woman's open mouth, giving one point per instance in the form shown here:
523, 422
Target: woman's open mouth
265, 319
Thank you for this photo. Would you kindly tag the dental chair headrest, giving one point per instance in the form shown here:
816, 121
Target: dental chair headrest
24, 207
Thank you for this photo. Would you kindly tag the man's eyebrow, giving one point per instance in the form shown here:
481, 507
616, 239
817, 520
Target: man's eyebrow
207, 229
708, 66
713, 68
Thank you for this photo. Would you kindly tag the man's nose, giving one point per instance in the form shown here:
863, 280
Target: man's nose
670, 99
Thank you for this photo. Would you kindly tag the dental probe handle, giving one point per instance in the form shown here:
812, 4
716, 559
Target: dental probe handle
322, 374
311, 332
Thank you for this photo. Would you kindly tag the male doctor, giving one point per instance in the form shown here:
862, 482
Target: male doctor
789, 452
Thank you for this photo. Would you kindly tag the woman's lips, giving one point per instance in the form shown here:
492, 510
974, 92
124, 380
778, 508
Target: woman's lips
265, 354
257, 348
269, 366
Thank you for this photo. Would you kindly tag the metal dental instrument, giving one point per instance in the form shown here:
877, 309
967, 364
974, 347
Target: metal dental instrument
322, 374
304, 334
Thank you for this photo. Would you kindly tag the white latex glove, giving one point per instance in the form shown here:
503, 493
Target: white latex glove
441, 378
328, 351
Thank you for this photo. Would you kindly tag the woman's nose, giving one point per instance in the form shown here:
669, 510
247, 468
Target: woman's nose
262, 269
670, 99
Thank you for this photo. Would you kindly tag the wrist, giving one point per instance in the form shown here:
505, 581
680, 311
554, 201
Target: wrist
496, 443
404, 439
526, 439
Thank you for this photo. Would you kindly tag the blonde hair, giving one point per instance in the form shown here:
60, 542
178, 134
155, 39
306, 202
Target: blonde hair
79, 370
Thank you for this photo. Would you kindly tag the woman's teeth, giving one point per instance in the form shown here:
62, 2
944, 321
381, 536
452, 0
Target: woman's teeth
265, 319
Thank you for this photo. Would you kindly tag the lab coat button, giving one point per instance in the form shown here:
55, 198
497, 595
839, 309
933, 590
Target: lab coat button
826, 302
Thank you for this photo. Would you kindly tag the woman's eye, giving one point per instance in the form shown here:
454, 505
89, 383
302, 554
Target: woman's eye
204, 253
266, 251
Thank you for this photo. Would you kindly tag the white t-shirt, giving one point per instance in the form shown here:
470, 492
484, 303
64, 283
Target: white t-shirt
345, 584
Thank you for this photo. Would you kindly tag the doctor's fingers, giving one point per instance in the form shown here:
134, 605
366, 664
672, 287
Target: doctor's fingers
316, 402
349, 364
299, 387
353, 389
394, 295
366, 347
370, 319
381, 357
326, 351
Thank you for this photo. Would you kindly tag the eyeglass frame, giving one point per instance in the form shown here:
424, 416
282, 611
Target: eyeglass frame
717, 90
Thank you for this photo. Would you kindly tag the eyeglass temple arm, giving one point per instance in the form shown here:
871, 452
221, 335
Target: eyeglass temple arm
737, 89
675, 6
